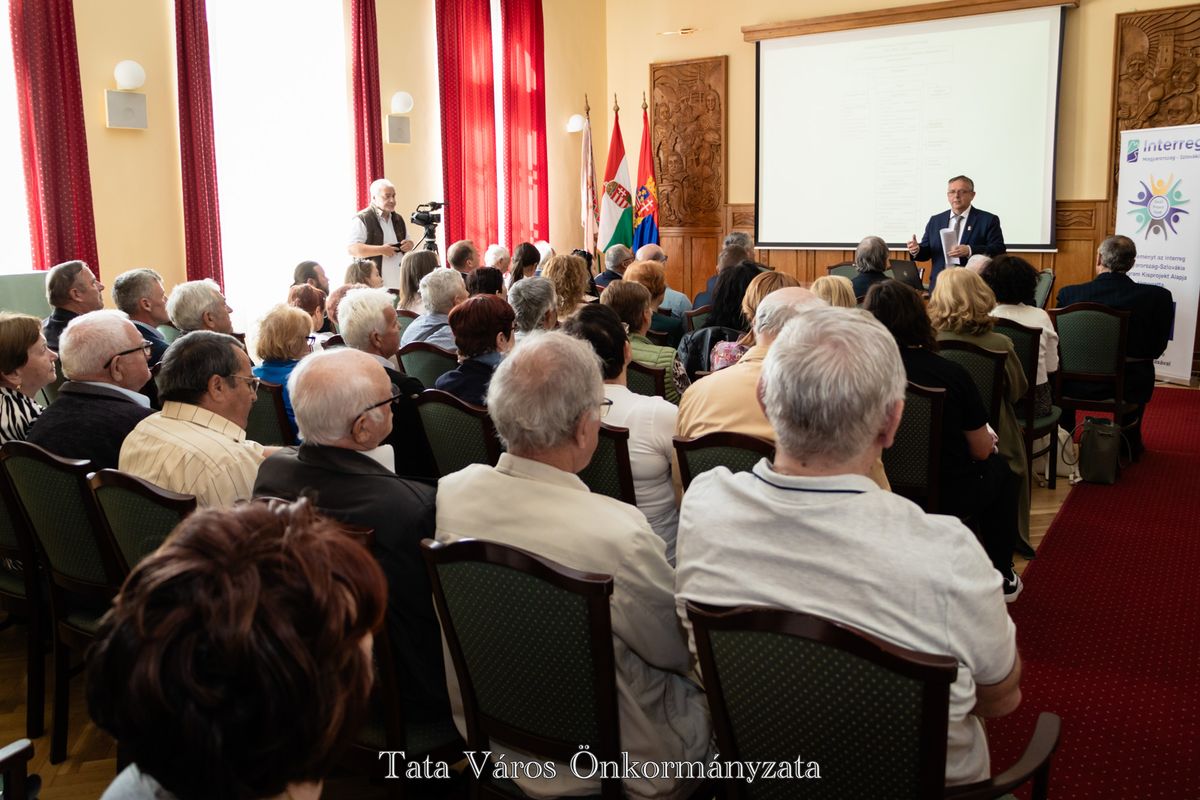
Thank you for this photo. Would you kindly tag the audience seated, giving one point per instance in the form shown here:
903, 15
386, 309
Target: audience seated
335, 299
726, 354
975, 482
726, 322
441, 290
674, 303
535, 305
463, 257
978, 262
140, 294
415, 265
546, 400
651, 275
731, 255
871, 260
525, 260
805, 533
1013, 280
569, 274
311, 274
1151, 320
283, 337
960, 310
483, 333
616, 259
632, 303
71, 290
497, 257
312, 302
106, 362
26, 366
236, 661
650, 420
837, 290
343, 406
199, 306
366, 272
485, 280
197, 444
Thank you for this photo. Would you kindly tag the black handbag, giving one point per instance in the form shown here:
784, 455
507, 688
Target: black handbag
1100, 448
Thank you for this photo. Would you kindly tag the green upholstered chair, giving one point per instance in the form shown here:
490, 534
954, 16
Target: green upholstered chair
531, 643
83, 570
459, 434
986, 368
609, 472
1091, 349
1028, 342
696, 318
846, 269
268, 422
914, 461
15, 780
646, 380
21, 598
736, 451
169, 332
49, 392
426, 362
25, 293
871, 714
136, 514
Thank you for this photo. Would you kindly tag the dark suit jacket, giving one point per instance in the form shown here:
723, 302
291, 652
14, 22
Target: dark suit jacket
89, 422
1151, 318
468, 381
605, 278
355, 489
414, 456
158, 345
55, 324
983, 236
863, 282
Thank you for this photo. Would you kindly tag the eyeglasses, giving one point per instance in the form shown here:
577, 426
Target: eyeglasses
954, 192
605, 405
254, 382
395, 396
145, 347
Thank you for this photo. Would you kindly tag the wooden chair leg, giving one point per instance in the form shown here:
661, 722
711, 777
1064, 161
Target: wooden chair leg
1052, 454
35, 679
62, 699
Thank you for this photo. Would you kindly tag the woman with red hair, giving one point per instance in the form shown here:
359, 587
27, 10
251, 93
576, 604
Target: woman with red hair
483, 331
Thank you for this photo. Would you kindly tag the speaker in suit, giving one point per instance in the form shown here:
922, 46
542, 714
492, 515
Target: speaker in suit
980, 232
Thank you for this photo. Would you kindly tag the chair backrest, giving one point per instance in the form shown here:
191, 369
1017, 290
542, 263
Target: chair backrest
609, 472
846, 269
268, 421
14, 771
660, 338
56, 505
404, 313
646, 380
531, 642
781, 683
15, 545
914, 461
404, 319
695, 319
426, 362
986, 368
1045, 285
1091, 344
737, 451
169, 332
1028, 344
460, 434
136, 514
334, 341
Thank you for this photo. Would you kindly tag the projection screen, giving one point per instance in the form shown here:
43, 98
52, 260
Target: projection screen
859, 131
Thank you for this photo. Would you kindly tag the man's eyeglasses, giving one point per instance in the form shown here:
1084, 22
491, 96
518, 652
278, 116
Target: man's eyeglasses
605, 405
395, 396
145, 347
954, 192
254, 382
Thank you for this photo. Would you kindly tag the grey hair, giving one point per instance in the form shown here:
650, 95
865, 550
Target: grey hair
829, 382
739, 239
541, 389
192, 360
1118, 253
360, 314
189, 302
776, 310
325, 409
458, 253
59, 280
494, 255
130, 287
380, 183
438, 290
531, 299
91, 340
977, 262
871, 255
617, 255
546, 251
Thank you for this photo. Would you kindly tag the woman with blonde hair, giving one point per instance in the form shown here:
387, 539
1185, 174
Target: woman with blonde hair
837, 290
415, 265
26, 367
569, 274
282, 341
725, 354
961, 310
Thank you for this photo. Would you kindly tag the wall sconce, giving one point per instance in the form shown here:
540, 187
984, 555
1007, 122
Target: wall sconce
575, 123
126, 107
399, 128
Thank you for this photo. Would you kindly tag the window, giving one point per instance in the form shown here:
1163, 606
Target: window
14, 210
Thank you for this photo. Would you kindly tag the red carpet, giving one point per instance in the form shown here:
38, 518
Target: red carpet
1109, 625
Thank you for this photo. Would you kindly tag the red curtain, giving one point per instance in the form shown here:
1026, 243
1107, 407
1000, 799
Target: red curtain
58, 186
368, 121
197, 149
527, 191
464, 33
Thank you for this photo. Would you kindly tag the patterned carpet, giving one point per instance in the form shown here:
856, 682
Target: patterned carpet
1109, 625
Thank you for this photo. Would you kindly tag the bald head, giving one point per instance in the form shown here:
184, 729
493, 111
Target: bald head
780, 307
329, 391
651, 252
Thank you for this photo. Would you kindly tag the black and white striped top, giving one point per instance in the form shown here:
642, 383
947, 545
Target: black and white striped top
17, 413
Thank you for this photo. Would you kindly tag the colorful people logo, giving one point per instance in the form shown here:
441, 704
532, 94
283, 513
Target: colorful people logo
1157, 207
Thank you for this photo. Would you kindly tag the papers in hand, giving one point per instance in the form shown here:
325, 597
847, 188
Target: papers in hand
949, 241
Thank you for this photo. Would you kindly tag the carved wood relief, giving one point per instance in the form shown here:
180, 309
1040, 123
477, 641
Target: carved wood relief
688, 107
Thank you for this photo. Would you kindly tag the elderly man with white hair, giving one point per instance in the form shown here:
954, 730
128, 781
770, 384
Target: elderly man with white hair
343, 401
546, 399
441, 290
812, 532
616, 259
378, 233
536, 305
105, 360
199, 306
675, 303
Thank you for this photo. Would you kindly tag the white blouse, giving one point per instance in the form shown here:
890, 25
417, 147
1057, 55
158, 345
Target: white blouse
1034, 317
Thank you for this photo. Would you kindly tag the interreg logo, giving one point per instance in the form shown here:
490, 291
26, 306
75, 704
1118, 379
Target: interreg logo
1157, 207
1132, 154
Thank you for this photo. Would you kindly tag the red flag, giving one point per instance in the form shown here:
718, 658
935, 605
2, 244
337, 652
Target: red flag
645, 205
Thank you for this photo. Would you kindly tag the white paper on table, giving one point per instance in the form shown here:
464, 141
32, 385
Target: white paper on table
949, 240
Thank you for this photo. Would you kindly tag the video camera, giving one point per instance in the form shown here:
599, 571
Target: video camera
427, 217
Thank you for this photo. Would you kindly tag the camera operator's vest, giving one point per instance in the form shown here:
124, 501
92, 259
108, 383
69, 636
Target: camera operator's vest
375, 232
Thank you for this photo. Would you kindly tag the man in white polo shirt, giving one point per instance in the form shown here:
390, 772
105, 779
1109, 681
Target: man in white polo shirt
811, 532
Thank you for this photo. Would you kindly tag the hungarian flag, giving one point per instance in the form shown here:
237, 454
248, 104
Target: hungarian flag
616, 206
587, 189
645, 206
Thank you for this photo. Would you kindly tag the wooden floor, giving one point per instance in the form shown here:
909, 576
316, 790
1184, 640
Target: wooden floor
91, 760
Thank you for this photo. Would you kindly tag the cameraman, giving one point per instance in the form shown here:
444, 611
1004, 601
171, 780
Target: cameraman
378, 233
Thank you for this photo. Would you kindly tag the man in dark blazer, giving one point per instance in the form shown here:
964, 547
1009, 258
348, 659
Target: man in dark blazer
105, 359
1151, 319
342, 400
140, 294
978, 231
